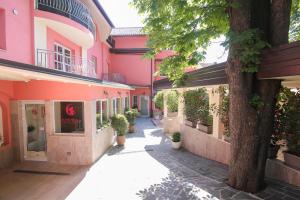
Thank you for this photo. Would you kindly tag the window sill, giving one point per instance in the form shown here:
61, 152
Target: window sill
101, 129
70, 134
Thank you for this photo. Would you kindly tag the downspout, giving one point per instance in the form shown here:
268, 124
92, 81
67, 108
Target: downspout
151, 92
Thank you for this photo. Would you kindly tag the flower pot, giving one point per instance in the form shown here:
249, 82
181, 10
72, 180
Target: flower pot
131, 129
176, 145
272, 151
292, 160
121, 140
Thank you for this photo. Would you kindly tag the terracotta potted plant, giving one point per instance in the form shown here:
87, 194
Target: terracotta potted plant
131, 115
120, 124
176, 140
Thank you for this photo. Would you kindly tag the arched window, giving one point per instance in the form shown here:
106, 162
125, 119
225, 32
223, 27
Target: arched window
1, 127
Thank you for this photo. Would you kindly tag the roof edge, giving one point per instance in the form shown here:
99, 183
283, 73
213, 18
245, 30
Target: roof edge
102, 11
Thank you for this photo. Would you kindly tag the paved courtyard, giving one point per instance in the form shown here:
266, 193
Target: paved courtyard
146, 168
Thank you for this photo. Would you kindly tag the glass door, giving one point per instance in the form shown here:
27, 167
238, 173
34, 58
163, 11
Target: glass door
144, 105
35, 137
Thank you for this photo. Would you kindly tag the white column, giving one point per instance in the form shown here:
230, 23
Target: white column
214, 99
181, 113
165, 105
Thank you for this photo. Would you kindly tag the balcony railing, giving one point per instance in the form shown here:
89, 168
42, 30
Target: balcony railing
66, 63
72, 9
114, 77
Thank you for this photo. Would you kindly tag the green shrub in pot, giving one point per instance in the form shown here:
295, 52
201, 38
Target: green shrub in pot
120, 124
172, 101
131, 115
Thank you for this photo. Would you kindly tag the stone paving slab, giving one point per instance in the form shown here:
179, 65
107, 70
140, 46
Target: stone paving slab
194, 177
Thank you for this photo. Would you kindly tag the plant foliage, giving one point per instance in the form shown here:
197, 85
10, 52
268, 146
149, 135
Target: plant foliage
287, 118
159, 100
176, 137
185, 27
131, 115
120, 124
197, 106
172, 101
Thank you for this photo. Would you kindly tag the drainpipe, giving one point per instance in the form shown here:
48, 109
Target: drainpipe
151, 92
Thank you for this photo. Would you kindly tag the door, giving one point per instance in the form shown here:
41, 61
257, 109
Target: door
144, 105
62, 58
35, 134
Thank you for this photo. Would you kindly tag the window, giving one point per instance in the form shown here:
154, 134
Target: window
126, 103
114, 106
101, 113
69, 117
62, 58
135, 102
2, 29
1, 127
119, 105
94, 63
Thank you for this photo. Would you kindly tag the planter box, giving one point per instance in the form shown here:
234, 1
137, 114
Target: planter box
188, 123
205, 129
172, 114
272, 151
292, 160
157, 115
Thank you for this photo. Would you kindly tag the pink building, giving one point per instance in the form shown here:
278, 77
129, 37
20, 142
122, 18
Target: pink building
64, 70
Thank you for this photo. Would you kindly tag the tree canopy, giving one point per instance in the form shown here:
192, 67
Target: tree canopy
188, 26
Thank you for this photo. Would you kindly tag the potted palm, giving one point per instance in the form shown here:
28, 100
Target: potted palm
131, 115
176, 140
120, 124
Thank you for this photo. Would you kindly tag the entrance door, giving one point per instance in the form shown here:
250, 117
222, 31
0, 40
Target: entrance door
35, 134
144, 106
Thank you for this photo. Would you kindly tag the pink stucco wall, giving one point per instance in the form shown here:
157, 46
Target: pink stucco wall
54, 37
6, 93
49, 90
19, 31
131, 41
135, 68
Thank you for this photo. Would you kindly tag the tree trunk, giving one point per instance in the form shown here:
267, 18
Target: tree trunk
251, 129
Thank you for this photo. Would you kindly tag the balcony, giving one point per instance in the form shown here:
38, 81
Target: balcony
65, 62
72, 9
114, 77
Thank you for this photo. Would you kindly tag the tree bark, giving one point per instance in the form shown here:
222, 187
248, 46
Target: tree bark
251, 129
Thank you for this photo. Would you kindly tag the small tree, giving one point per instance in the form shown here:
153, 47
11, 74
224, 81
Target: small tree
120, 124
172, 101
159, 100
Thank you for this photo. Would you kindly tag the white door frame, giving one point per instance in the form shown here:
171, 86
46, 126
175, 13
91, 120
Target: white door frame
37, 156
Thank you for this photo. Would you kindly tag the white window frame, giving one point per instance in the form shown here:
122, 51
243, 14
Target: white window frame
101, 111
1, 126
63, 63
81, 134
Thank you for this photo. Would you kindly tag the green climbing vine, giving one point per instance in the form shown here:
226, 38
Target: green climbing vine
249, 47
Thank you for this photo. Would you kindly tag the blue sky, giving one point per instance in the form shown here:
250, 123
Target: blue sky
123, 15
